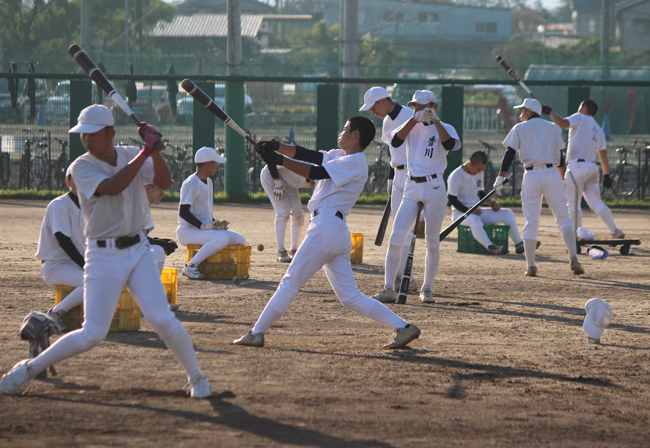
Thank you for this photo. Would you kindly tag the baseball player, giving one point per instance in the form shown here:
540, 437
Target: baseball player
285, 198
539, 143
340, 175
466, 188
60, 249
586, 139
110, 181
428, 141
195, 222
377, 101
160, 247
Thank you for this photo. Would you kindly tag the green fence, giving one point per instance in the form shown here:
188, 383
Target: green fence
36, 147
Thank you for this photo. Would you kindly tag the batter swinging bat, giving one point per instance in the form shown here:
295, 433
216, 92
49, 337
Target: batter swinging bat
205, 101
512, 73
456, 223
379, 239
406, 278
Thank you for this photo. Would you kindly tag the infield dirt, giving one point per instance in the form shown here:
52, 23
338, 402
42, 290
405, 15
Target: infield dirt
502, 359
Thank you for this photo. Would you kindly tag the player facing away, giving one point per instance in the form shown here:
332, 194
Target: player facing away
428, 140
465, 188
539, 143
195, 222
340, 175
379, 103
586, 140
285, 198
60, 249
110, 181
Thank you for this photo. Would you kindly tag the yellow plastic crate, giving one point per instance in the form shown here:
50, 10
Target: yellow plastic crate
232, 261
126, 317
356, 255
169, 280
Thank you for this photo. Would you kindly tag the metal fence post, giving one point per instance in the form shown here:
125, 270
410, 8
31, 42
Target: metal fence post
327, 123
235, 144
451, 112
202, 121
81, 96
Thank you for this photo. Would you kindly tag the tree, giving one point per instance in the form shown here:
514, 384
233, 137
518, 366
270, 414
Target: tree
317, 48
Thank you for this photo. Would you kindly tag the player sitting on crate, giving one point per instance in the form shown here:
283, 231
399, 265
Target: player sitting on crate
195, 222
60, 249
466, 187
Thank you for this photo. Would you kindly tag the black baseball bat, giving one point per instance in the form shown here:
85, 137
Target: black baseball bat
406, 278
205, 101
512, 73
456, 223
379, 239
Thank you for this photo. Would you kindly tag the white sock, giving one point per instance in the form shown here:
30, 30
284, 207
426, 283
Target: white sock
268, 317
392, 264
606, 215
280, 231
72, 300
431, 266
382, 314
210, 248
478, 232
529, 251
570, 241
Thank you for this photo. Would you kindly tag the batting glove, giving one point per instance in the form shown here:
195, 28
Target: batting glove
272, 158
607, 181
546, 110
278, 189
427, 115
389, 187
151, 138
269, 145
498, 184
495, 206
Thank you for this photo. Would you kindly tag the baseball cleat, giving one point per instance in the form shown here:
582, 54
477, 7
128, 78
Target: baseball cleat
531, 271
403, 336
191, 271
174, 306
576, 267
59, 319
618, 234
283, 256
413, 284
386, 295
250, 340
493, 249
519, 247
15, 378
199, 387
426, 296
292, 252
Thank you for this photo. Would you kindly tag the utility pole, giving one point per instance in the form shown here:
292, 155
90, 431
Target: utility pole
234, 37
126, 33
604, 38
350, 92
138, 26
1, 52
86, 37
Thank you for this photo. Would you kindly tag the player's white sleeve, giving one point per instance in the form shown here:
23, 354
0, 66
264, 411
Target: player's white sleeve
512, 139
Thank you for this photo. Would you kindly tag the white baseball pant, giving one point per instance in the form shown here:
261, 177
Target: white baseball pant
396, 197
489, 217
107, 270
159, 257
287, 207
327, 245
67, 273
211, 241
587, 176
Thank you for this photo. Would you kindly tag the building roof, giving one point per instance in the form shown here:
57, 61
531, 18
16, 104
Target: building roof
189, 7
624, 4
205, 25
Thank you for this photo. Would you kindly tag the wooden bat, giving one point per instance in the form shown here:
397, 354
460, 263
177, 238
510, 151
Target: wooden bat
379, 239
456, 223
205, 101
512, 73
100, 79
406, 278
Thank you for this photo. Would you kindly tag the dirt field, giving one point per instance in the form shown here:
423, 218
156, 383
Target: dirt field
502, 360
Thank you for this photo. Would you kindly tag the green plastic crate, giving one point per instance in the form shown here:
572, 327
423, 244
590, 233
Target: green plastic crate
498, 234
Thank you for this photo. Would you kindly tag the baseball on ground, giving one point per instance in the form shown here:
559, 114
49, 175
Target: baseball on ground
260, 247
236, 280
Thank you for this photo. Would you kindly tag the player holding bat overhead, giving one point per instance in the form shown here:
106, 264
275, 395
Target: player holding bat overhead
428, 140
110, 181
195, 222
380, 104
539, 143
340, 175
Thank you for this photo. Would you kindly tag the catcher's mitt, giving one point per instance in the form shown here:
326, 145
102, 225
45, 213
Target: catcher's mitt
37, 329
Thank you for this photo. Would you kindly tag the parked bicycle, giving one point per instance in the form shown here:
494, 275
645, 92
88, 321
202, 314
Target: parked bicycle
179, 160
60, 166
378, 171
35, 162
625, 175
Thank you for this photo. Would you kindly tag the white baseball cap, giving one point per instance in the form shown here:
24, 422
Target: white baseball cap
92, 119
373, 95
599, 315
532, 105
423, 97
597, 252
206, 154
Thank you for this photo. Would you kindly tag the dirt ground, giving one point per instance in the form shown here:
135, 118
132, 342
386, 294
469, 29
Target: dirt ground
502, 359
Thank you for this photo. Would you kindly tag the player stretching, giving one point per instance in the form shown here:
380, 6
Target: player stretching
340, 175
539, 143
428, 140
586, 139
110, 181
382, 105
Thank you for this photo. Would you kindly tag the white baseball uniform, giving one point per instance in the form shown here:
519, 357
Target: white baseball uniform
465, 187
327, 245
108, 220
62, 215
199, 196
586, 138
288, 206
539, 143
427, 160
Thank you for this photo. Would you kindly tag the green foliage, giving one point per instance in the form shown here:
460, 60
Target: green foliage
316, 47
380, 58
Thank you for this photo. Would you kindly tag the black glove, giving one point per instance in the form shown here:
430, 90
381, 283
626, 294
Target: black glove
271, 157
169, 246
607, 182
546, 110
269, 145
